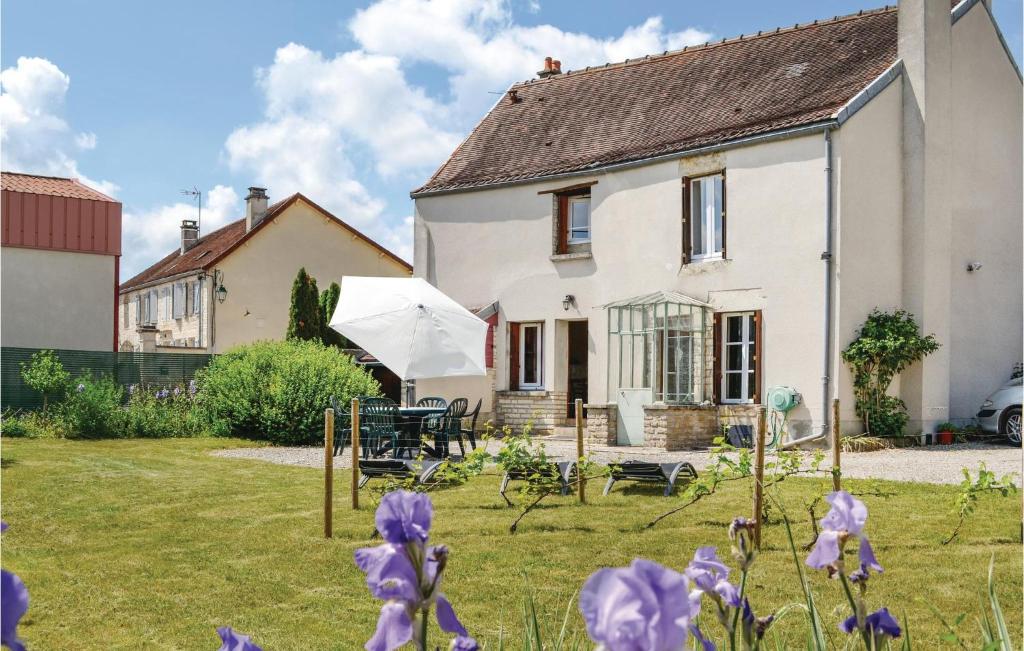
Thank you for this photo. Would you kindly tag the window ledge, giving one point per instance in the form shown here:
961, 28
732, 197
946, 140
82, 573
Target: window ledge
524, 392
562, 257
706, 264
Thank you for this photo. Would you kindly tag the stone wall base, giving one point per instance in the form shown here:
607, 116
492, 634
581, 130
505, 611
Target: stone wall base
675, 427
544, 410
602, 424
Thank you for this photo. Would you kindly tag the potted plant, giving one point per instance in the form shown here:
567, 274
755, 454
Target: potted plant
945, 433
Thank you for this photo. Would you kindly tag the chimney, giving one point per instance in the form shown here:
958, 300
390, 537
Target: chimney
924, 45
189, 234
255, 207
551, 67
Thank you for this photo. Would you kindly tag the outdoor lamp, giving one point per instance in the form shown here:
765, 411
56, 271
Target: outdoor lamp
222, 293
567, 301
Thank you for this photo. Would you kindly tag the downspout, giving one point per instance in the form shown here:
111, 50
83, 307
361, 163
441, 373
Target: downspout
827, 257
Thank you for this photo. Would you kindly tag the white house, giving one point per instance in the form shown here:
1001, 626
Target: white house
669, 237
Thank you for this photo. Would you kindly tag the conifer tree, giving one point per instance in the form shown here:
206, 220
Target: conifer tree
305, 317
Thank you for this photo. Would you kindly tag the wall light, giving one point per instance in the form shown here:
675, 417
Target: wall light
567, 301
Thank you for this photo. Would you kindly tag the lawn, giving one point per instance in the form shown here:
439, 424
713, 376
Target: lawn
152, 544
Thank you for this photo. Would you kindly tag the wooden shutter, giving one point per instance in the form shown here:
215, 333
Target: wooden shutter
725, 228
513, 356
686, 220
758, 355
717, 348
562, 223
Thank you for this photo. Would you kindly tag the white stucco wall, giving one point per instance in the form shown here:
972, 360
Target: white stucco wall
495, 245
986, 314
56, 299
867, 158
259, 274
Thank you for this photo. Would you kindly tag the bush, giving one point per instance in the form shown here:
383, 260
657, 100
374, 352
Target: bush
277, 390
92, 409
162, 412
33, 425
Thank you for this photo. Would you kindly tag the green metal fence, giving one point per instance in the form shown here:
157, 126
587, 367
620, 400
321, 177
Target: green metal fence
126, 368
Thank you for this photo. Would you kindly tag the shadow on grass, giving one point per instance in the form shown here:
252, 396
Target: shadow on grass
7, 463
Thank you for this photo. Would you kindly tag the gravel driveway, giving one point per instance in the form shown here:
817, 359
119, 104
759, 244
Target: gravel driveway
931, 464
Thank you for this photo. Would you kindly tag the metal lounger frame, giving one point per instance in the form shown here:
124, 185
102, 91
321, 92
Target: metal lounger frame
667, 473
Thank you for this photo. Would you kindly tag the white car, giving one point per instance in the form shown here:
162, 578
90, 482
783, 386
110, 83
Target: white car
1001, 411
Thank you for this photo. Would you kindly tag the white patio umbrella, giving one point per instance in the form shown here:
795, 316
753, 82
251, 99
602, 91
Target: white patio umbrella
411, 327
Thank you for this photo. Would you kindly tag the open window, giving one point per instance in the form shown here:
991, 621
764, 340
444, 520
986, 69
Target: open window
571, 223
738, 357
704, 223
526, 356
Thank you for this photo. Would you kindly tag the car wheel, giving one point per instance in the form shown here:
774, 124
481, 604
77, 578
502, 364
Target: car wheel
1011, 425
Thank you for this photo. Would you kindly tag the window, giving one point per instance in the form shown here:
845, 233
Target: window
526, 356
704, 217
739, 357
196, 296
138, 310
152, 306
124, 316
178, 300
579, 219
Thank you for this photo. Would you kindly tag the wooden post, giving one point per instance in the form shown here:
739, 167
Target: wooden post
759, 475
355, 453
328, 472
836, 447
579, 451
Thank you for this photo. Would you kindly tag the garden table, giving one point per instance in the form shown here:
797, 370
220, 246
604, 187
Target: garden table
410, 427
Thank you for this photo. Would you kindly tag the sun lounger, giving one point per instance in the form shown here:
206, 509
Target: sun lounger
397, 468
659, 473
564, 471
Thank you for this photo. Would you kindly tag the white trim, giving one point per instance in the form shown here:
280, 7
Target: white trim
539, 358
747, 336
707, 218
869, 92
585, 198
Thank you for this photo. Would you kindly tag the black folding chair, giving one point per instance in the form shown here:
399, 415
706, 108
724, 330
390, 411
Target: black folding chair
471, 432
654, 473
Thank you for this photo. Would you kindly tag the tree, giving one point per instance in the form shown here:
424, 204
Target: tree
305, 318
45, 373
887, 343
328, 303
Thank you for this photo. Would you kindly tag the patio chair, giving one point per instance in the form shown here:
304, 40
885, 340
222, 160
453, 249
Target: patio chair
656, 473
429, 401
471, 432
449, 426
397, 468
343, 425
563, 471
381, 416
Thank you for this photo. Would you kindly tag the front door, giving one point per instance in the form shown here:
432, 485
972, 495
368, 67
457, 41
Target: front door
577, 350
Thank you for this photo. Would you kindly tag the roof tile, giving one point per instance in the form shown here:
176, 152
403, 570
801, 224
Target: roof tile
56, 186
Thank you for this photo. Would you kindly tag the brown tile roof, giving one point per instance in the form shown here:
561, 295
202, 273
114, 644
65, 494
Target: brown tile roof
56, 186
673, 102
214, 246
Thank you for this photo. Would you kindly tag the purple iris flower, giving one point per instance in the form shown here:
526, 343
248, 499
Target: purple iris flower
177, 391
162, 393
80, 388
643, 607
711, 575
845, 520
705, 644
233, 641
406, 574
754, 628
879, 624
13, 606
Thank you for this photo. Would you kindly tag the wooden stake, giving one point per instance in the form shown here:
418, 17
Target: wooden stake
579, 451
355, 453
836, 447
759, 475
328, 472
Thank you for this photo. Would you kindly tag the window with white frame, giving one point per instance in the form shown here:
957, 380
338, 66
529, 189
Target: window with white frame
196, 296
579, 219
706, 216
528, 356
739, 357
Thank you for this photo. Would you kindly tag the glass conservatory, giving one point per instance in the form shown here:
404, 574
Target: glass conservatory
662, 342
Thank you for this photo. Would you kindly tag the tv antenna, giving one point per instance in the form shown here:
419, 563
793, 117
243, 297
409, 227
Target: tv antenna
198, 196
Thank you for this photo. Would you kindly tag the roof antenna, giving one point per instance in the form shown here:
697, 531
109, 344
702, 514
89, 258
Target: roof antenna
198, 196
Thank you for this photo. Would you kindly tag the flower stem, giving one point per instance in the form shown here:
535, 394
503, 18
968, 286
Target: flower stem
424, 615
736, 612
856, 611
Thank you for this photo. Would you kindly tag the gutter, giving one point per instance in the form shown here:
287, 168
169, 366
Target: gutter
614, 167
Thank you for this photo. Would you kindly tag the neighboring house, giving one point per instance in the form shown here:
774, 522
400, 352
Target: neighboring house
670, 237
60, 256
233, 286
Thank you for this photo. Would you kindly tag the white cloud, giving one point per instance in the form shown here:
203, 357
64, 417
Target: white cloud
329, 120
147, 236
34, 135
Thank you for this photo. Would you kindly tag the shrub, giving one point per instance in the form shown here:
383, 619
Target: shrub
278, 390
92, 409
33, 425
45, 373
162, 412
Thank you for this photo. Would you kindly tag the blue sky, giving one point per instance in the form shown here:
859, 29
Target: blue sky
353, 104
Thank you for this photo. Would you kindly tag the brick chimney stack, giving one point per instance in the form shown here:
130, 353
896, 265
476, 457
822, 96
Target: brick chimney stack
551, 67
189, 234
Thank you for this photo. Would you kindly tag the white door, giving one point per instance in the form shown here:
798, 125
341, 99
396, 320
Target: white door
630, 426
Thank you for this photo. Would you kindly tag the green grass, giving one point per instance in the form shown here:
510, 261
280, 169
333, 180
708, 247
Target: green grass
151, 544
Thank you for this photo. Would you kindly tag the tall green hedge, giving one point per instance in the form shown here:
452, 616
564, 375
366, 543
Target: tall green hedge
277, 390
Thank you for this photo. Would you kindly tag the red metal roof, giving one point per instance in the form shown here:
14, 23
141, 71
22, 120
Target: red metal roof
58, 214
213, 247
672, 102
